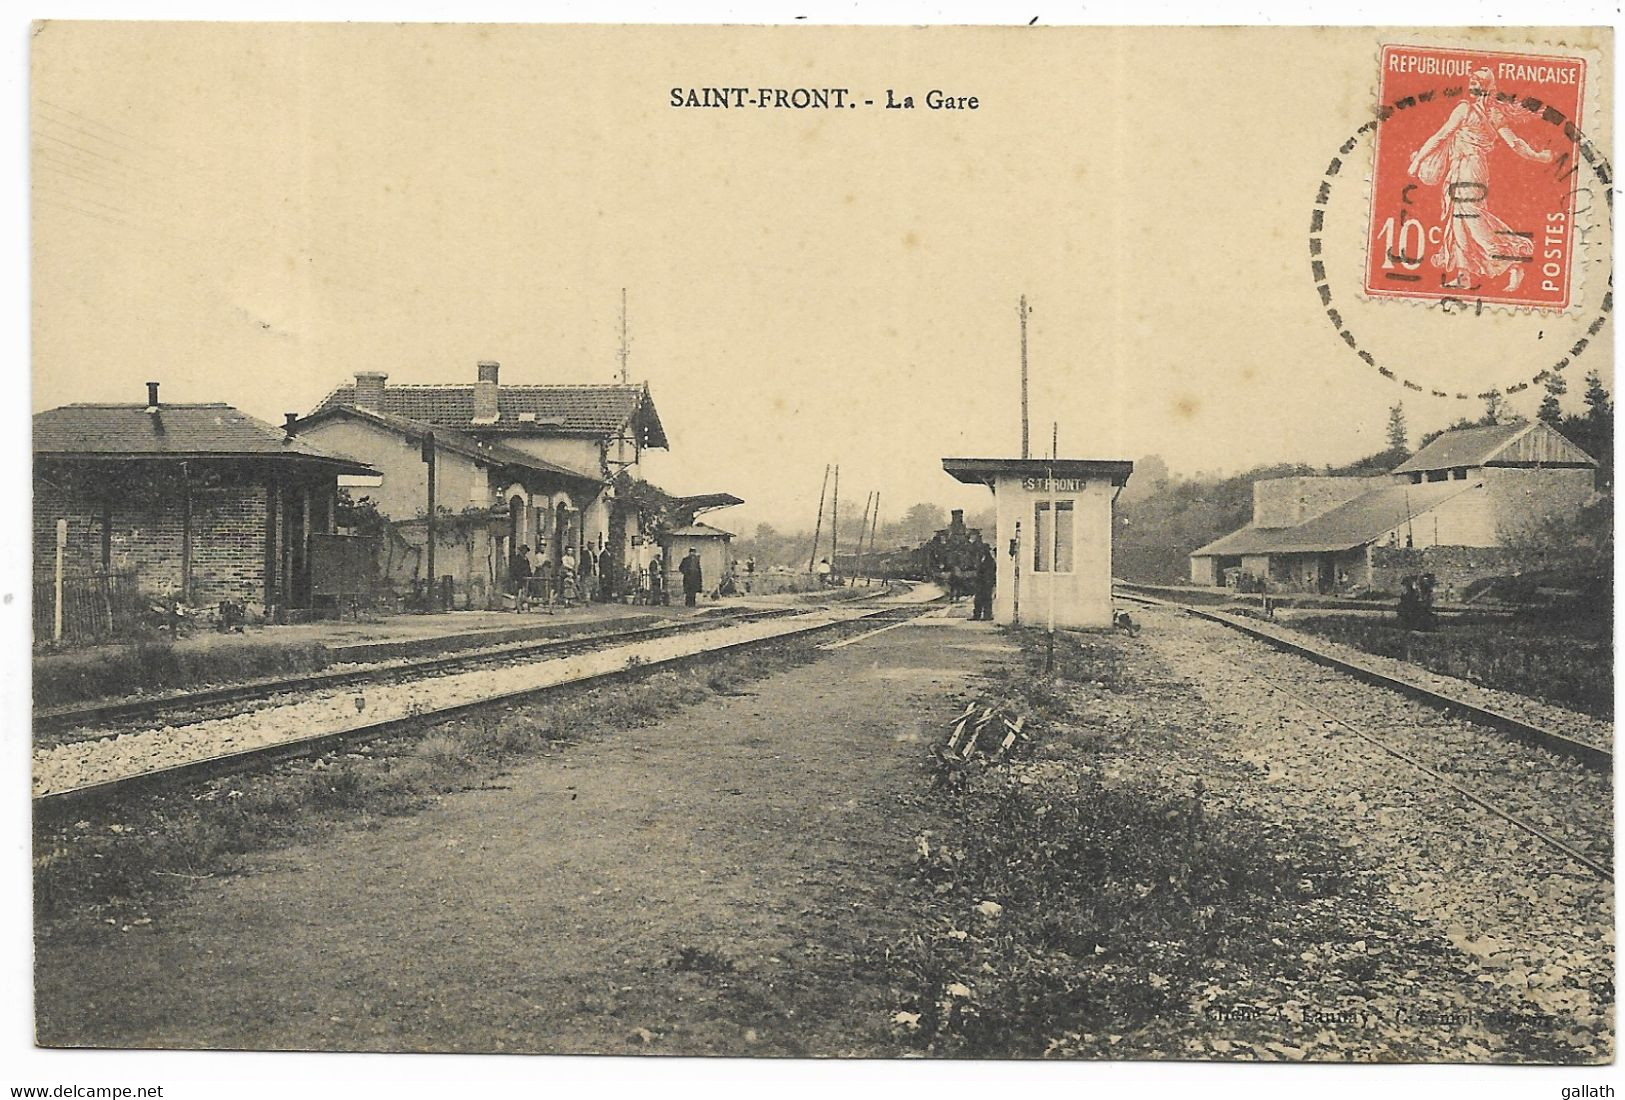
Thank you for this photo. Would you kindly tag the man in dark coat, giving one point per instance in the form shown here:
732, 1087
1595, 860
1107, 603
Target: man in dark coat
987, 574
519, 578
689, 567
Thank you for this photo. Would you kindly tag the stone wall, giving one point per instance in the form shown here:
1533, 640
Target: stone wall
1453, 567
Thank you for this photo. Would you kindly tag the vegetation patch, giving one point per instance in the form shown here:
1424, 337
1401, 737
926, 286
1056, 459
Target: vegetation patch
1073, 904
155, 666
1561, 660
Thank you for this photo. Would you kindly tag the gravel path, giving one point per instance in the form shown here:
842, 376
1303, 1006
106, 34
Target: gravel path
65, 766
1537, 929
696, 886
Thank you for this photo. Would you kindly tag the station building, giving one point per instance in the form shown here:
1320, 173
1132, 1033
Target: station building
533, 465
1054, 519
1449, 510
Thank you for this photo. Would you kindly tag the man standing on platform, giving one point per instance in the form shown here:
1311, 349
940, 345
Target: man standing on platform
692, 582
987, 574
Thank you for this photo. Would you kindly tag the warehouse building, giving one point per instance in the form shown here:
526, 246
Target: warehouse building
1449, 510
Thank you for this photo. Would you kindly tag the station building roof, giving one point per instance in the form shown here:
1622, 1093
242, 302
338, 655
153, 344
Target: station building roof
594, 410
449, 439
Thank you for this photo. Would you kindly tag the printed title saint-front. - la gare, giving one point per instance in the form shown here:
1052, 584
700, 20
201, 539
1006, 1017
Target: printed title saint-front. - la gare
816, 99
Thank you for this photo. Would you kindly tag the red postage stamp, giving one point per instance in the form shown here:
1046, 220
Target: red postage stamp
1474, 179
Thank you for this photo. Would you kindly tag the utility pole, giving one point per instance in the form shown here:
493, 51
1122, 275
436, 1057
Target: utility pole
835, 525
1055, 543
626, 345
863, 529
818, 528
874, 525
429, 458
1025, 451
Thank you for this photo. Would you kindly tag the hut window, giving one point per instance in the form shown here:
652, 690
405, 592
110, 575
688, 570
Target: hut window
1057, 537
1459, 474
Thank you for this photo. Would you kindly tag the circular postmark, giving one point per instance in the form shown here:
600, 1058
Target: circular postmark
1428, 286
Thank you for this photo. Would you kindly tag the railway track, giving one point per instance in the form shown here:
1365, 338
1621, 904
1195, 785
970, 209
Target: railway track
1443, 738
1592, 756
603, 664
146, 709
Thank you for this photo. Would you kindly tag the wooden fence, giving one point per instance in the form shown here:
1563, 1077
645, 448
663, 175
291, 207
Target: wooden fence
94, 606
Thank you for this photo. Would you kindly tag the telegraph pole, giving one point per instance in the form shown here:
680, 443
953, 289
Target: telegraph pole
1025, 451
1054, 544
818, 528
429, 458
874, 524
626, 346
863, 529
835, 524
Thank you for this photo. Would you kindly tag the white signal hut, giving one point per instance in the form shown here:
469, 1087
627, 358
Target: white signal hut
1054, 534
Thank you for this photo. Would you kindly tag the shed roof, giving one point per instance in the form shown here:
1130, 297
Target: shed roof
700, 530
1528, 443
569, 410
983, 471
212, 430
450, 439
1362, 520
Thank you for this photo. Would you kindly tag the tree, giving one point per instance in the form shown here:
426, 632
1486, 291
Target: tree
1398, 433
1495, 408
921, 522
1599, 407
1551, 406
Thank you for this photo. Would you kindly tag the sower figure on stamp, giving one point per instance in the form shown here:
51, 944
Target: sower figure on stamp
987, 575
1476, 244
692, 582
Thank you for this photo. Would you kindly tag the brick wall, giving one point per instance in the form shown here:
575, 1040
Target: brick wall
145, 532
228, 544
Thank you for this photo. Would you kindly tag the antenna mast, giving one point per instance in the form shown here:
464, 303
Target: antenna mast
626, 345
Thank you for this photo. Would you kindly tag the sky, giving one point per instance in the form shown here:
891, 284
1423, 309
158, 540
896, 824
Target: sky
250, 213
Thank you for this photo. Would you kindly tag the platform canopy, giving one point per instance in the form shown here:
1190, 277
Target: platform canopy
986, 471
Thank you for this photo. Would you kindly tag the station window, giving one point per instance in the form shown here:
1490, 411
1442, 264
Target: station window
1059, 537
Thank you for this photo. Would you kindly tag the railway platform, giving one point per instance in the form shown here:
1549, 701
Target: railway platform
209, 656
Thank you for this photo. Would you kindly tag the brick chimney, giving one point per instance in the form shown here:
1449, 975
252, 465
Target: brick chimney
485, 393
369, 389
152, 397
290, 425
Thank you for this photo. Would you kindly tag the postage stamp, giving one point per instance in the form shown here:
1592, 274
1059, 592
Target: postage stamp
1474, 176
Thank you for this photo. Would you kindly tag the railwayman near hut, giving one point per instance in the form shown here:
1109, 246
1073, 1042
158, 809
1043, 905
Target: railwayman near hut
987, 574
689, 567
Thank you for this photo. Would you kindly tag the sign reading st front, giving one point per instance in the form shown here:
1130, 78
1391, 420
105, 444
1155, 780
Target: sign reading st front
1054, 485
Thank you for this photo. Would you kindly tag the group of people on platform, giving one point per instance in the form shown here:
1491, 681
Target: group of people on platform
544, 585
